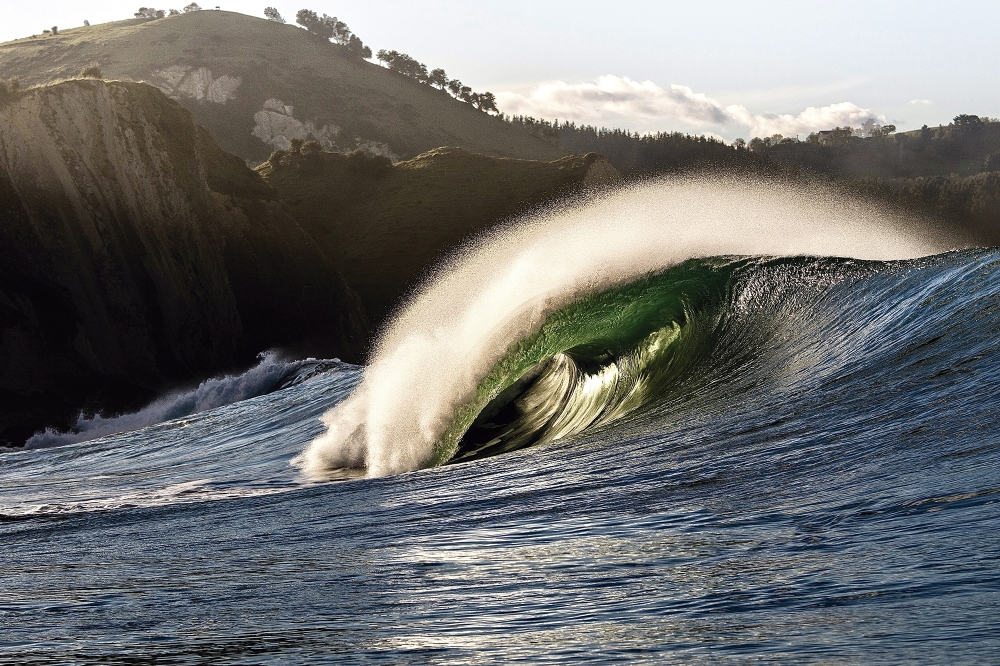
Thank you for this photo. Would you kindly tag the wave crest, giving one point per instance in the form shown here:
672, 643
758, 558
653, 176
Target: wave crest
426, 378
270, 373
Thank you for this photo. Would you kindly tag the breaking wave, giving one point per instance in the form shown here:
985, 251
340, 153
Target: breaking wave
587, 312
271, 373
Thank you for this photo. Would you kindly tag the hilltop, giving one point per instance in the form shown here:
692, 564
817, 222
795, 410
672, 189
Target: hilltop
383, 225
136, 254
256, 84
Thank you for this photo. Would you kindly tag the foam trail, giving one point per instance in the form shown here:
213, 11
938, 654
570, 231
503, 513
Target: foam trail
210, 394
431, 359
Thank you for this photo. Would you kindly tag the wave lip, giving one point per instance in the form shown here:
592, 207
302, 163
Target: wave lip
425, 385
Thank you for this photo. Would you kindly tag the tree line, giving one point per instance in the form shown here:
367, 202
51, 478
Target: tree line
966, 146
330, 28
153, 13
632, 153
952, 171
402, 63
335, 30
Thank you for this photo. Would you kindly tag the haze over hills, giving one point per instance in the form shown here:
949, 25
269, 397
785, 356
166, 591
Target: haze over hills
257, 84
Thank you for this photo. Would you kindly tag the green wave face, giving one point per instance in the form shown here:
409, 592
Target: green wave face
593, 361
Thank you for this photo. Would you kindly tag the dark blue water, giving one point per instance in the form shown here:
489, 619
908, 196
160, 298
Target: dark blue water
824, 487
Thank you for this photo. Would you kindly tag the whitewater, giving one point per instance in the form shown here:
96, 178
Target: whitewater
684, 421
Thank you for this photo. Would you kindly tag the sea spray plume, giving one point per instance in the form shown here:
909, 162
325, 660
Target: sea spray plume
433, 356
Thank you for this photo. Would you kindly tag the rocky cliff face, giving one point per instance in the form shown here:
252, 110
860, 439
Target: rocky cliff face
383, 226
134, 253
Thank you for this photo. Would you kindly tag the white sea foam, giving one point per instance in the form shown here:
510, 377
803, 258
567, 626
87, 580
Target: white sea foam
432, 357
210, 394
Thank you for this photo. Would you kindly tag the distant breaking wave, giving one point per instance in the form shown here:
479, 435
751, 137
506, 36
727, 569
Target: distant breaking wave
578, 316
270, 374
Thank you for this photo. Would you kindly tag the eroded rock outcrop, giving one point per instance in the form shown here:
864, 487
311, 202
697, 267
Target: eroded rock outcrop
134, 253
180, 81
276, 125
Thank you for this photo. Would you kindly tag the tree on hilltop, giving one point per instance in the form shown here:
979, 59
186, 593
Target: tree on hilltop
149, 13
404, 64
193, 7
357, 48
438, 78
307, 18
333, 29
385, 57
967, 120
271, 14
881, 131
487, 102
401, 63
966, 125
339, 32
327, 27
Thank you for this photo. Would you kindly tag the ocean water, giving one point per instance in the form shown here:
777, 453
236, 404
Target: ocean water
733, 460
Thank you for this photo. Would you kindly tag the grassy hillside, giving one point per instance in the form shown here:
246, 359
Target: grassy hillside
224, 67
383, 225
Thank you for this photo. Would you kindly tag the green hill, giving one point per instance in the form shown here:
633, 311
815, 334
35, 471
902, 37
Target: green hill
256, 84
383, 225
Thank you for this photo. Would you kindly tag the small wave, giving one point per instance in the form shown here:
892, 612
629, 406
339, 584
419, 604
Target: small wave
270, 374
188, 492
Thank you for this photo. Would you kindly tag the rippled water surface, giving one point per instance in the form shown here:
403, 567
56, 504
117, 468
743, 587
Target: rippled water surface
822, 488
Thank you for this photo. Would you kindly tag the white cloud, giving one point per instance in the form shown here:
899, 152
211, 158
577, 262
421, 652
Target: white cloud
920, 101
613, 99
810, 120
614, 96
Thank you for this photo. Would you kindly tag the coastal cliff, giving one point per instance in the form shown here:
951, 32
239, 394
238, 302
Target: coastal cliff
384, 225
135, 254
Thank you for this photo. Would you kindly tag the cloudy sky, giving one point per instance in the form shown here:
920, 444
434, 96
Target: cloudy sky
726, 67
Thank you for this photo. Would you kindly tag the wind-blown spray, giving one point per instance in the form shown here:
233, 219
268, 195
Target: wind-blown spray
500, 290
